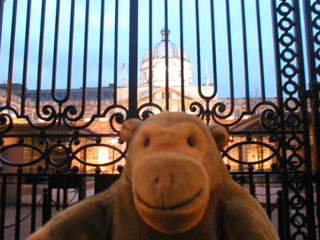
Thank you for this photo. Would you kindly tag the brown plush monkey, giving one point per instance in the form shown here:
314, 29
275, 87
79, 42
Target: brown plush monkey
174, 186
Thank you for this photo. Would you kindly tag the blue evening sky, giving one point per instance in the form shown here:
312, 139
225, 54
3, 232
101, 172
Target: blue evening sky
123, 51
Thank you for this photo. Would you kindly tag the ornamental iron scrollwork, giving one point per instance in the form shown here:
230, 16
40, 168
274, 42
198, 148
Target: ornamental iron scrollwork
71, 129
287, 22
148, 109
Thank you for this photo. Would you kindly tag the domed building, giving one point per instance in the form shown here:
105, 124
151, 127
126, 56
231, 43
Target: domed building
159, 64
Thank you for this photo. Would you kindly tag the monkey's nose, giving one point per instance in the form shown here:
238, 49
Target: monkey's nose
163, 184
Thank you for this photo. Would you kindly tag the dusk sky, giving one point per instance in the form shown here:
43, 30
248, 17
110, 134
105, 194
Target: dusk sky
123, 51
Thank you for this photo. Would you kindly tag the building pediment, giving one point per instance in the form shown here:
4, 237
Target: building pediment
160, 93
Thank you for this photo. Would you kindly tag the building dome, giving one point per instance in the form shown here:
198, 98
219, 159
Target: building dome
159, 65
159, 49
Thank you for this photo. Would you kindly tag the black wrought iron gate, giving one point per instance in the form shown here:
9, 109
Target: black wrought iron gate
62, 99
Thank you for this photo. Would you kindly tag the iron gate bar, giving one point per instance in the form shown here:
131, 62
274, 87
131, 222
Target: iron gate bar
11, 58
116, 30
101, 57
285, 190
133, 62
231, 77
34, 204
85, 62
55, 56
3, 205
214, 55
1, 21
261, 67
268, 199
245, 55
198, 51
25, 61
304, 115
18, 208
150, 53
181, 55
166, 52
40, 59
311, 32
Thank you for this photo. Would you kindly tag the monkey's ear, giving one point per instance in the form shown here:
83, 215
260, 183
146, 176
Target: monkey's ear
129, 127
220, 135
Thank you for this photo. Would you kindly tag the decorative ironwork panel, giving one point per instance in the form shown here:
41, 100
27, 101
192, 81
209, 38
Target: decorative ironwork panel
295, 142
313, 33
65, 123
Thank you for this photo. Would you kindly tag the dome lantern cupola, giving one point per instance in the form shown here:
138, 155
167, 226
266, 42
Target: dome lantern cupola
163, 34
159, 63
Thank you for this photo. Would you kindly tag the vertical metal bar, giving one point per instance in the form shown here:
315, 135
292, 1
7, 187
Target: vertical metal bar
70, 51
251, 182
183, 107
1, 21
40, 59
166, 52
150, 52
25, 61
282, 140
100, 57
45, 217
58, 199
245, 55
280, 216
65, 191
198, 48
82, 188
34, 204
214, 57
70, 54
49, 204
3, 205
85, 61
116, 23
306, 130
268, 196
11, 58
230, 58
18, 207
133, 59
262, 85
55, 54
207, 99
315, 101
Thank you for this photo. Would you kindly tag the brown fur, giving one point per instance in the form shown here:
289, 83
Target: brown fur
174, 186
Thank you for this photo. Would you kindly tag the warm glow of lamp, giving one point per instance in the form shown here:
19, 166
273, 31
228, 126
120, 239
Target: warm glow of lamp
225, 160
103, 156
113, 141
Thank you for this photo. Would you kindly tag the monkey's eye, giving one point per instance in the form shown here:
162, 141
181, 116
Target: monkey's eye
191, 142
146, 142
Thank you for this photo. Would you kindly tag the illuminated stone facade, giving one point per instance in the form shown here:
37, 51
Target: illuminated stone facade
250, 152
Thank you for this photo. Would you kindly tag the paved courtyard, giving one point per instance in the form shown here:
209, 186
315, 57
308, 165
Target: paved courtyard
25, 224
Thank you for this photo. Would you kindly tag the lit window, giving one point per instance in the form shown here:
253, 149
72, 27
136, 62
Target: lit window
74, 95
107, 95
44, 96
91, 95
59, 95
